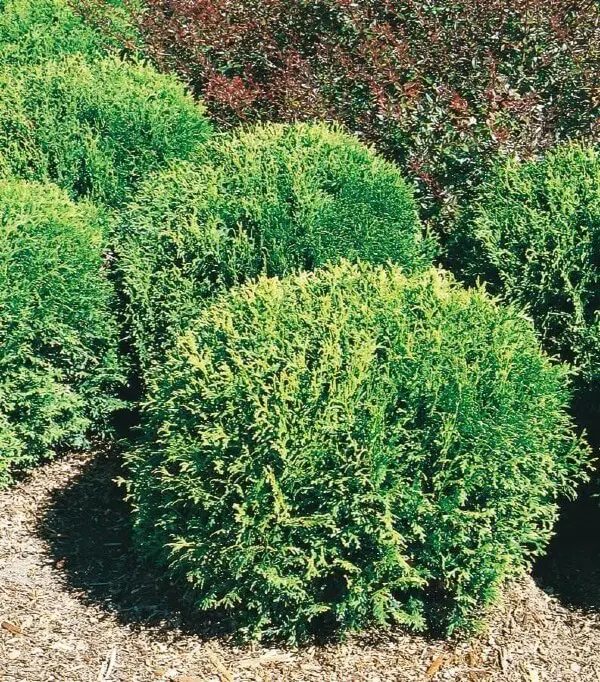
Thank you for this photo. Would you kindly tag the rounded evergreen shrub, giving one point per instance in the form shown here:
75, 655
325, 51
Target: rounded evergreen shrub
352, 447
35, 30
59, 366
536, 231
274, 199
95, 129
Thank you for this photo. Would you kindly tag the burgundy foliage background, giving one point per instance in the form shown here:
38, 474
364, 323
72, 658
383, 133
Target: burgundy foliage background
441, 87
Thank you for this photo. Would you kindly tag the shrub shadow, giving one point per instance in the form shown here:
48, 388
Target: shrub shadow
571, 568
87, 530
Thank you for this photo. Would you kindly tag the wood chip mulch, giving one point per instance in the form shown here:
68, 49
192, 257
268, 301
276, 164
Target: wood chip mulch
76, 607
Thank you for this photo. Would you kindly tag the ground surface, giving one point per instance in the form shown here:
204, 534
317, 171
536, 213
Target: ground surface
75, 607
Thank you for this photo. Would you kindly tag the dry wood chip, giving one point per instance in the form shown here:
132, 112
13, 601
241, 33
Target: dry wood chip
11, 627
224, 673
434, 668
108, 666
502, 657
531, 673
276, 657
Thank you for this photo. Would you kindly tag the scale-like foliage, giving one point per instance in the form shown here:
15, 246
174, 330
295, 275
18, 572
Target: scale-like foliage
95, 129
536, 231
349, 447
58, 338
35, 30
274, 199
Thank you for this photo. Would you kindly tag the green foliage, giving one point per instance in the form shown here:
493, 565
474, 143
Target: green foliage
352, 447
115, 21
58, 339
96, 130
35, 30
536, 235
11, 450
274, 199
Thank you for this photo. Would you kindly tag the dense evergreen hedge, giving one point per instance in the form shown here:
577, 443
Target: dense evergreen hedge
274, 199
59, 367
95, 129
335, 436
351, 447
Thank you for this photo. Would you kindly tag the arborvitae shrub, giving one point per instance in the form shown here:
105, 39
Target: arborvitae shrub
274, 199
95, 129
535, 235
59, 367
35, 30
352, 447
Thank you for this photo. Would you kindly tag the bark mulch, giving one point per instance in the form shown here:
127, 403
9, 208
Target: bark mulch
75, 607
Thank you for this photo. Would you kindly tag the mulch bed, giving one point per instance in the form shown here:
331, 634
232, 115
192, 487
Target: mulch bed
76, 607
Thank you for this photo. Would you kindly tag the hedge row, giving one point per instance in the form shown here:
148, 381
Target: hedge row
274, 200
59, 365
352, 447
365, 443
70, 115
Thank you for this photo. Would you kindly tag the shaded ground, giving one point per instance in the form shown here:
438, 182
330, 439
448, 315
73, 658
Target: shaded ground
571, 569
76, 607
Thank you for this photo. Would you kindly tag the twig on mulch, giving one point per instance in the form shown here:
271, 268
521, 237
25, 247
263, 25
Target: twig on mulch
107, 666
